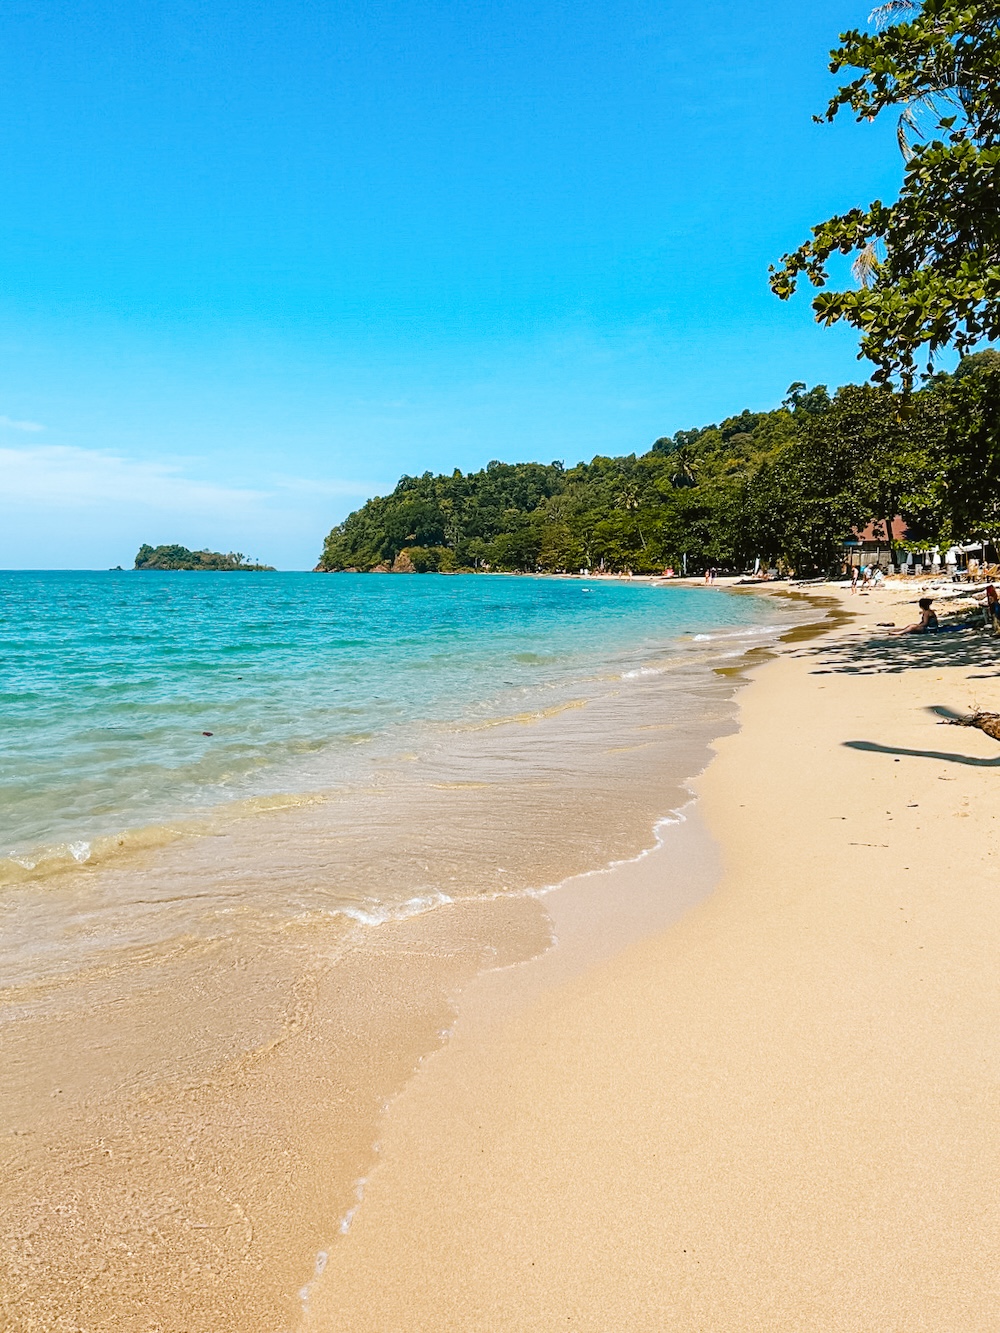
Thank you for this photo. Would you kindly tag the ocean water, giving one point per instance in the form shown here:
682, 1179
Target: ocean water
132, 698
222, 954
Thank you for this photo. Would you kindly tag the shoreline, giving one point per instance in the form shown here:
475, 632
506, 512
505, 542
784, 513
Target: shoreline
188, 1143
777, 1112
125, 836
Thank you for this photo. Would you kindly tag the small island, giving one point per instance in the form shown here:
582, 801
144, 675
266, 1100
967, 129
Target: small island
179, 557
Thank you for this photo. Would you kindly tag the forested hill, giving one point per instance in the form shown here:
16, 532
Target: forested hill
782, 485
179, 557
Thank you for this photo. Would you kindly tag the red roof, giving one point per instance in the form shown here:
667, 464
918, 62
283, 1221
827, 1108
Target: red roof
900, 532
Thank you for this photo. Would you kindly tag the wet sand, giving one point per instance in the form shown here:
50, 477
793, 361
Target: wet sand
779, 1112
198, 1041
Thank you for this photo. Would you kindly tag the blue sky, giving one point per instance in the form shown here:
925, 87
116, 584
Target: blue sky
257, 260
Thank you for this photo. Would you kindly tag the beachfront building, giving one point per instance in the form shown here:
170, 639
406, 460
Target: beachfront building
872, 545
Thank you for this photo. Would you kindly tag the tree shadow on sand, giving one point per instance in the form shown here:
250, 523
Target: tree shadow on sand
944, 756
865, 654
868, 655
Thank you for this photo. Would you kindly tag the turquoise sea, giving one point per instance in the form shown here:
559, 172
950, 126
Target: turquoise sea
131, 698
257, 832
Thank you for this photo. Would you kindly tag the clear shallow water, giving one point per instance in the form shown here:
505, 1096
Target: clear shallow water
110, 679
221, 956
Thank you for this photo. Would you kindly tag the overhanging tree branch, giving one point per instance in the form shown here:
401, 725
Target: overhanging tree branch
929, 269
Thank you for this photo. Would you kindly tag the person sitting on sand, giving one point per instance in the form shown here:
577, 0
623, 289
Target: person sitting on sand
927, 623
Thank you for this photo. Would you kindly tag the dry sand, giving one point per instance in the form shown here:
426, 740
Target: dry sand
779, 1112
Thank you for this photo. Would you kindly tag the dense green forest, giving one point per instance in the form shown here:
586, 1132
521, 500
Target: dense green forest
783, 486
179, 557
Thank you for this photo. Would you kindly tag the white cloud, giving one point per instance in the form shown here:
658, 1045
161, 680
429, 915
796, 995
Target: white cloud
68, 477
8, 423
66, 507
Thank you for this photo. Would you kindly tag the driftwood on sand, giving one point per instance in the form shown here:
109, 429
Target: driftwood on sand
988, 722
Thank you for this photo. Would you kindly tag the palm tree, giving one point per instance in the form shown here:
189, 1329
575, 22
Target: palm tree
684, 474
628, 499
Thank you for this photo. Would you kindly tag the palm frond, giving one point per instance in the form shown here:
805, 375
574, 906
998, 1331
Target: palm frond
866, 266
905, 147
881, 16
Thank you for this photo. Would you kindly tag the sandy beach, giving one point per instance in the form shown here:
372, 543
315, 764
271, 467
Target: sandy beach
776, 1111
201, 1022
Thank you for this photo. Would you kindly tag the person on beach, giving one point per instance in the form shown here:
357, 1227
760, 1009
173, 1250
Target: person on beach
989, 598
927, 623
854, 578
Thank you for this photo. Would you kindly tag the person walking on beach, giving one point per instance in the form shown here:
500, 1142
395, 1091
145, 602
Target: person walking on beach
927, 623
854, 578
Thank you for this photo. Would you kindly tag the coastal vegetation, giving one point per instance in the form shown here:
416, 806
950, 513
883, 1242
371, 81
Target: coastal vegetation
179, 557
788, 485
783, 487
927, 267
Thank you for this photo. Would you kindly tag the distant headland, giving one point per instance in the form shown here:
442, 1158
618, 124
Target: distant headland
179, 557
